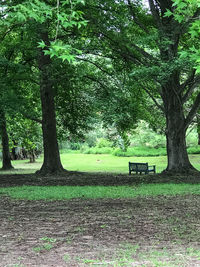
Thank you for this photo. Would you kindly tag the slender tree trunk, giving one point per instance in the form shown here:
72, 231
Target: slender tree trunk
6, 165
52, 163
32, 156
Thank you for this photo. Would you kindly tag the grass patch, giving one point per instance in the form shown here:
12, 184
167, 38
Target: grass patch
193, 150
135, 255
107, 162
94, 192
95, 163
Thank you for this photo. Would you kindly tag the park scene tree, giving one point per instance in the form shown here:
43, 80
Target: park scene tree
148, 45
89, 89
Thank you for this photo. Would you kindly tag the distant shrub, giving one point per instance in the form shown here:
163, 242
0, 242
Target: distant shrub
131, 151
194, 150
97, 150
149, 152
68, 151
70, 146
144, 136
84, 148
192, 137
75, 146
102, 142
140, 152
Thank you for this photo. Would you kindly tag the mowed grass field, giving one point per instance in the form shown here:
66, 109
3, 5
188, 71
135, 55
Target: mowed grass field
98, 163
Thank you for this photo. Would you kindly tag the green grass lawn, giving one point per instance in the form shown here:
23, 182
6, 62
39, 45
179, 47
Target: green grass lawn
98, 163
107, 162
93, 192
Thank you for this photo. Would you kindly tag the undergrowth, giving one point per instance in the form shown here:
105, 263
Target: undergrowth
131, 151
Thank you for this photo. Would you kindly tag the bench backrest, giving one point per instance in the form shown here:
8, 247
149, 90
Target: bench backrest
138, 166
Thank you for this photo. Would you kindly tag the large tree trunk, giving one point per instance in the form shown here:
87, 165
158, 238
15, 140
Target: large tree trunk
6, 164
178, 160
52, 163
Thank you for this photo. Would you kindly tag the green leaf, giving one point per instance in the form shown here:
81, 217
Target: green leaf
182, 5
69, 58
41, 44
168, 13
194, 33
46, 52
183, 54
198, 69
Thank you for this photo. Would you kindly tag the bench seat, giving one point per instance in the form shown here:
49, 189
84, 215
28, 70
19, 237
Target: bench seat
141, 168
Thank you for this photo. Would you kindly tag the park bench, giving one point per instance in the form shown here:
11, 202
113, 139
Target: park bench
141, 168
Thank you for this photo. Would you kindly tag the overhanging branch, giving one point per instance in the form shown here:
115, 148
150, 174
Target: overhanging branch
154, 100
95, 80
95, 64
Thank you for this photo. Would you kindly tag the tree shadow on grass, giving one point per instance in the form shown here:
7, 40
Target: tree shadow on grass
93, 179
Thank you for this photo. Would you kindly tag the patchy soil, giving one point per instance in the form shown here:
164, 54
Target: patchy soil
145, 231
84, 178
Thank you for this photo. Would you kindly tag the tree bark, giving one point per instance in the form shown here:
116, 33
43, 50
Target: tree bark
176, 126
6, 164
177, 156
198, 129
178, 160
52, 163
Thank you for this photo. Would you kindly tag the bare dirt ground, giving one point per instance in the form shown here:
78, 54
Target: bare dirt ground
145, 231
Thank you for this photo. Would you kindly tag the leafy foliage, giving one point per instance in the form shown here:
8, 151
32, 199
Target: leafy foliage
25, 133
64, 15
187, 12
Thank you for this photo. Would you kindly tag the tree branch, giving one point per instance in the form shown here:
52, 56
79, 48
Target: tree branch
31, 118
154, 100
155, 12
192, 83
188, 81
95, 53
193, 111
10, 30
132, 13
128, 55
94, 80
144, 87
95, 64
